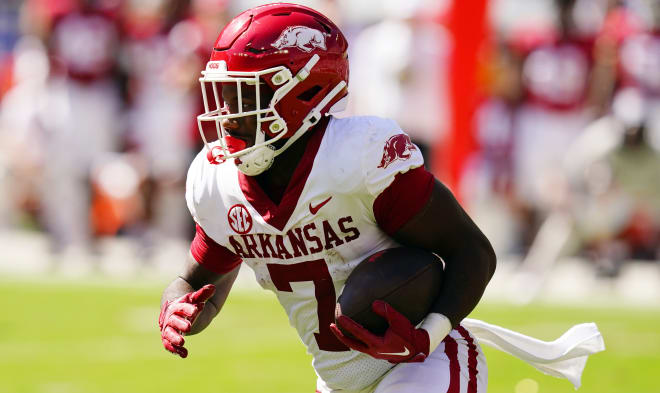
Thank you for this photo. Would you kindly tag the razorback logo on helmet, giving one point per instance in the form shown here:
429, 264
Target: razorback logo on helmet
398, 147
240, 219
302, 37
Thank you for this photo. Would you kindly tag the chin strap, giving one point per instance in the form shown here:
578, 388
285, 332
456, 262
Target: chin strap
312, 117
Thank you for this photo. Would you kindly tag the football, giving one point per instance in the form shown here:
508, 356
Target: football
409, 279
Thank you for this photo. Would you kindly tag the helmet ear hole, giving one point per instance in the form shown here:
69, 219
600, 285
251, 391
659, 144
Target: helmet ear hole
308, 94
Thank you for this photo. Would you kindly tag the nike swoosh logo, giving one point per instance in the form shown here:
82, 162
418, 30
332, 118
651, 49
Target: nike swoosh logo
404, 353
315, 209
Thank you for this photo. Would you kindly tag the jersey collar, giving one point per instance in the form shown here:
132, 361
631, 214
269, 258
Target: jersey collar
278, 215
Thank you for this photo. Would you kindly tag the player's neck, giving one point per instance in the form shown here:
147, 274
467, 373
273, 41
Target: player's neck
276, 179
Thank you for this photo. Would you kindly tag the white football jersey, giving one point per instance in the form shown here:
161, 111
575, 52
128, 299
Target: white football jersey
304, 249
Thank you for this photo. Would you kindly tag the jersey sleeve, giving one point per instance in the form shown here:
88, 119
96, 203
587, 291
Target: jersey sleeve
388, 152
394, 176
211, 255
206, 251
403, 199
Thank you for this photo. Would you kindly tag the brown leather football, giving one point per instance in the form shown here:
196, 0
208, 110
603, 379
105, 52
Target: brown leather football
407, 278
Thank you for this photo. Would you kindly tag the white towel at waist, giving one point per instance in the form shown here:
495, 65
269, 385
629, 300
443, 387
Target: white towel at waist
564, 357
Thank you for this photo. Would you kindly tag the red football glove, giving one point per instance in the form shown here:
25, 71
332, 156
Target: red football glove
402, 342
177, 316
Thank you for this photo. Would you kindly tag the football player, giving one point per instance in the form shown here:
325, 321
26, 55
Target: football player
302, 197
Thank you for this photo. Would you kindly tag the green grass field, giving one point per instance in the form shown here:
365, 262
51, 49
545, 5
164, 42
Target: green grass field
99, 336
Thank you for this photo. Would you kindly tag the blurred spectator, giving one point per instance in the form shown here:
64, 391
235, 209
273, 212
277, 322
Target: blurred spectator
163, 51
99, 127
556, 74
398, 66
538, 78
489, 181
83, 124
22, 152
614, 167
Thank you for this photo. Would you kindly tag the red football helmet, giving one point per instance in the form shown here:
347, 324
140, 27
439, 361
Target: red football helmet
299, 53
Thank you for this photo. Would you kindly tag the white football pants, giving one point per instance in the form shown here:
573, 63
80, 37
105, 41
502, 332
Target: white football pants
458, 365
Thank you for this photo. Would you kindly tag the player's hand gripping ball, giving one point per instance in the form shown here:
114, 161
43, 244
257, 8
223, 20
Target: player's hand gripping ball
177, 316
384, 298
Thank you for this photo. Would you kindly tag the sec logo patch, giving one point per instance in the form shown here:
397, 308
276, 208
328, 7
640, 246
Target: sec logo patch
239, 219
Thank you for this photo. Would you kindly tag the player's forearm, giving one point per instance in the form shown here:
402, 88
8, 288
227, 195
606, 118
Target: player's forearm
223, 284
443, 227
204, 318
467, 273
214, 305
175, 290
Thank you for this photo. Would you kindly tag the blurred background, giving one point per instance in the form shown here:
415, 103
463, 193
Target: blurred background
543, 116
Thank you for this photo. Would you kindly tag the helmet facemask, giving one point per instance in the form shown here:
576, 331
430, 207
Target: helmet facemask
258, 158
254, 159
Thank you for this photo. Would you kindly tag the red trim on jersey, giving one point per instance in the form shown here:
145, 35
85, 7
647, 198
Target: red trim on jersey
211, 255
403, 199
278, 215
451, 350
472, 359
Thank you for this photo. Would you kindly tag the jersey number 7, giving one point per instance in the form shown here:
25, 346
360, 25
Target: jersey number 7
317, 272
